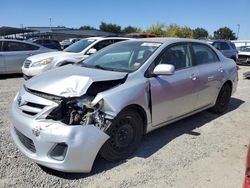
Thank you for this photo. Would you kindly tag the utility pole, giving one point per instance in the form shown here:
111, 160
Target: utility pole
238, 32
50, 23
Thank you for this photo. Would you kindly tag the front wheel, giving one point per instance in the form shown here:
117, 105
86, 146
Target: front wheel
222, 99
125, 133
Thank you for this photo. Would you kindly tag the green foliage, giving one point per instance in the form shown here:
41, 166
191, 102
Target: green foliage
157, 29
224, 33
200, 33
131, 29
87, 27
109, 27
173, 30
184, 32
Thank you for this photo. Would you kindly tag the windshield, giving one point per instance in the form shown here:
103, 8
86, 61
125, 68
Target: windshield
122, 57
79, 46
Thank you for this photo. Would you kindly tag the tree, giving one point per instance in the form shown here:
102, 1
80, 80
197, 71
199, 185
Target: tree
224, 33
87, 27
200, 33
171, 30
109, 27
174, 30
157, 29
131, 29
184, 32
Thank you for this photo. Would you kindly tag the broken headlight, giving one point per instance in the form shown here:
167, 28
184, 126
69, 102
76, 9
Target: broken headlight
80, 111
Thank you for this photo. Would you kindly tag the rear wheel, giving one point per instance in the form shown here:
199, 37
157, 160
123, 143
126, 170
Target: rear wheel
125, 134
222, 99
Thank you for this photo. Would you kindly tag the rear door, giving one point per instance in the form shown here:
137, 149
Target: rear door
210, 74
15, 53
174, 95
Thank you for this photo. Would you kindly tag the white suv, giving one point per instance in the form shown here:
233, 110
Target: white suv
78, 51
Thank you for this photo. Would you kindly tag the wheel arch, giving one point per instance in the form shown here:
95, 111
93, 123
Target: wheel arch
230, 83
141, 112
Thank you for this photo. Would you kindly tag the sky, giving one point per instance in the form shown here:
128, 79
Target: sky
209, 14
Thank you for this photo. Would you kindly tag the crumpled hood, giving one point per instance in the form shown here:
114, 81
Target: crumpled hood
70, 80
57, 54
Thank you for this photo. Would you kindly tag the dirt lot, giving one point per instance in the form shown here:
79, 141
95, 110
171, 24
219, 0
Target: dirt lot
204, 150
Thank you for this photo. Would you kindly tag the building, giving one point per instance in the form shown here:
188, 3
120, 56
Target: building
58, 33
61, 33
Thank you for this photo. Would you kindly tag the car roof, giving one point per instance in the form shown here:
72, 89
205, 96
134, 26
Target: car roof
168, 40
101, 38
26, 42
221, 40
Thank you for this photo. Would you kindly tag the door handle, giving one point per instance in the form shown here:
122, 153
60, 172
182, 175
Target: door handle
210, 78
220, 69
193, 77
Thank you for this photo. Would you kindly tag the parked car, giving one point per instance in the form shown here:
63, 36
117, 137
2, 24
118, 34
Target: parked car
63, 118
244, 56
240, 48
14, 52
67, 42
227, 48
247, 171
78, 51
48, 43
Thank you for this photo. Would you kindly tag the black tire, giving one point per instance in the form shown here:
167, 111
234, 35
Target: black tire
125, 133
222, 99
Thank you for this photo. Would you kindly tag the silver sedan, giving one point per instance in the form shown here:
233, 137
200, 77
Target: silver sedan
63, 118
14, 52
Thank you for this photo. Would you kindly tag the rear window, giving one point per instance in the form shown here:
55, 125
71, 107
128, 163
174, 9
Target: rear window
221, 45
232, 45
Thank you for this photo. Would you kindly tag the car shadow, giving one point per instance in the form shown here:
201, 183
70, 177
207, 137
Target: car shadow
153, 141
8, 76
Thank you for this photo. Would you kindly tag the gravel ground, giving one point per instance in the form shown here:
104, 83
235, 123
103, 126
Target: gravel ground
204, 150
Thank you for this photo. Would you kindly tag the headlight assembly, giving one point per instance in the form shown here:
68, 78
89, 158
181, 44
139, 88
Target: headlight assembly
42, 62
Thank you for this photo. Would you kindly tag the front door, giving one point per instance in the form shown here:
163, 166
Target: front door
174, 95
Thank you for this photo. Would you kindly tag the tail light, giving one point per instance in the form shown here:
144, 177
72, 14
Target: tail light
237, 67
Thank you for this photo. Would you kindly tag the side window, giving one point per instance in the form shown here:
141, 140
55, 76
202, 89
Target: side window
102, 44
224, 46
178, 55
204, 54
17, 46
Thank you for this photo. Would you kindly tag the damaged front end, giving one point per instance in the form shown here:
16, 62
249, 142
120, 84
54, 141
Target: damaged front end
65, 133
80, 111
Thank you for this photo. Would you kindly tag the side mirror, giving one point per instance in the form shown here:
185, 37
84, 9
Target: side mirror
91, 51
164, 69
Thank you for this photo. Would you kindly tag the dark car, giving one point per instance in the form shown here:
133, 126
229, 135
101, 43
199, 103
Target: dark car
48, 43
227, 48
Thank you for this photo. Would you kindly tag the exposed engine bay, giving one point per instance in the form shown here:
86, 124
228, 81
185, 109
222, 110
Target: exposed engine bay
80, 111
